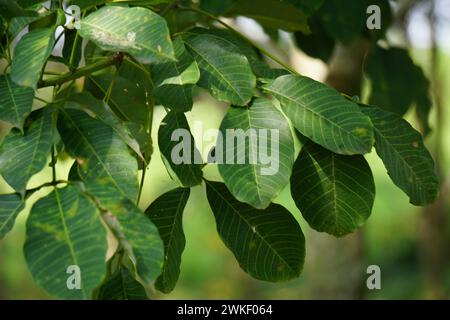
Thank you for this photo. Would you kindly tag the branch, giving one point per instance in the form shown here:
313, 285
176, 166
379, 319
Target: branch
84, 71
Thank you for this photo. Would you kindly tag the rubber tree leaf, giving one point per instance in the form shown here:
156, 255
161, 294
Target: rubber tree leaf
318, 43
180, 156
10, 207
136, 233
307, 6
268, 244
15, 101
323, 115
166, 213
225, 72
10, 9
397, 83
257, 151
72, 50
23, 155
334, 193
104, 161
344, 20
137, 31
104, 113
130, 94
30, 55
259, 67
174, 81
272, 13
407, 160
122, 286
64, 233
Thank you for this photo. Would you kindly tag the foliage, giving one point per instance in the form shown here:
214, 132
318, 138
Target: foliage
129, 57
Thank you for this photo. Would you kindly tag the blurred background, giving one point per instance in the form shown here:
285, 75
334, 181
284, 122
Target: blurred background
411, 245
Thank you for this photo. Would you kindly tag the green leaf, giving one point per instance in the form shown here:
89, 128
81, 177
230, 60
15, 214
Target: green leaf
64, 230
136, 31
407, 160
268, 244
122, 286
10, 9
104, 113
334, 193
257, 152
72, 49
30, 55
10, 207
323, 115
259, 67
174, 81
307, 6
176, 141
390, 71
104, 161
397, 83
318, 43
272, 13
344, 20
225, 72
166, 213
23, 155
130, 93
136, 233
15, 101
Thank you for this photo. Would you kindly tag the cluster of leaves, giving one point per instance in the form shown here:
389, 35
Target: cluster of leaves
136, 55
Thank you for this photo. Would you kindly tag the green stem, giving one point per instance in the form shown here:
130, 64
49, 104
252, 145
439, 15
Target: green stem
111, 86
53, 164
87, 70
253, 44
141, 184
29, 192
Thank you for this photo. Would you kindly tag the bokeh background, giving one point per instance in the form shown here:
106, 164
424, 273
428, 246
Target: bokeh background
410, 244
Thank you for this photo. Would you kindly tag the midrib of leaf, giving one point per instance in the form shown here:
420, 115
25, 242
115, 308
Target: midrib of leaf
96, 155
68, 239
13, 100
253, 165
397, 153
334, 124
194, 147
180, 201
141, 43
117, 107
215, 69
250, 225
122, 281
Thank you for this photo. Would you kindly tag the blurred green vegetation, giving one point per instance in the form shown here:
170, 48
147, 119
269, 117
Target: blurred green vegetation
209, 270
